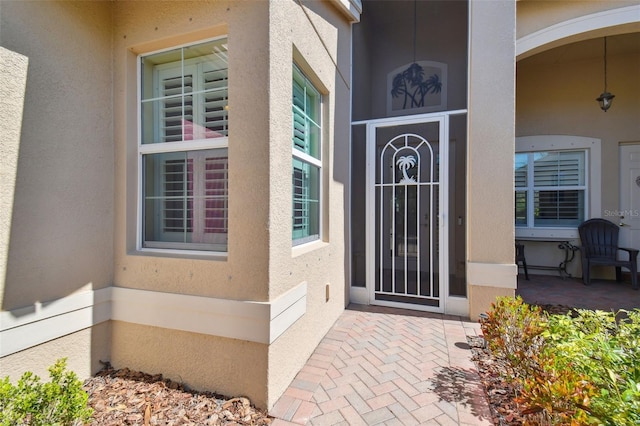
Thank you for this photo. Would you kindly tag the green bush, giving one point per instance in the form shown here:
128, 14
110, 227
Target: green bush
513, 331
59, 402
581, 370
607, 351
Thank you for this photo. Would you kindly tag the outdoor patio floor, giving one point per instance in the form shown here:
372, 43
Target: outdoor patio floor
600, 294
384, 366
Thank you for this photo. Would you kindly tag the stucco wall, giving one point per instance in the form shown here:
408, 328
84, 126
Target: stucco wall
490, 230
227, 366
261, 264
61, 231
317, 38
567, 106
13, 82
534, 15
203, 362
83, 350
142, 27
57, 215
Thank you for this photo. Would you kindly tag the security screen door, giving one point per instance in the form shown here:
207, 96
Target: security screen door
405, 202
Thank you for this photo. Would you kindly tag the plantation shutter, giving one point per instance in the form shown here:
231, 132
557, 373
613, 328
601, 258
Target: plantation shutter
300, 200
214, 116
216, 195
559, 183
300, 134
177, 193
195, 194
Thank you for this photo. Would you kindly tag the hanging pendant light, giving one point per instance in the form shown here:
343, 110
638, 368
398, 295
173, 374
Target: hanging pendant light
605, 99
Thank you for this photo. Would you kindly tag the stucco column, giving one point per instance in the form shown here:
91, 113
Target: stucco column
490, 237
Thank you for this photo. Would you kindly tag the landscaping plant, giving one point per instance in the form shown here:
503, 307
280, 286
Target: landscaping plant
580, 369
59, 402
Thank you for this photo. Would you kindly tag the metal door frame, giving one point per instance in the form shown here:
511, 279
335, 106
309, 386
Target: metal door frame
443, 283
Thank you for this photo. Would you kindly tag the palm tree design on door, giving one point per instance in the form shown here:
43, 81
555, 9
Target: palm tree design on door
404, 163
412, 84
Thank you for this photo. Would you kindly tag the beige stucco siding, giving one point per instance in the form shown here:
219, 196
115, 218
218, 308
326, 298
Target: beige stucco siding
83, 350
202, 361
142, 27
490, 229
491, 132
228, 366
57, 177
317, 38
261, 264
534, 15
567, 106
13, 79
62, 227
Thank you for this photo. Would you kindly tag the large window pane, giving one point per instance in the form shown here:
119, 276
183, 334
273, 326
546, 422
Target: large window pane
184, 93
306, 190
521, 164
306, 141
558, 168
550, 186
306, 115
558, 208
186, 199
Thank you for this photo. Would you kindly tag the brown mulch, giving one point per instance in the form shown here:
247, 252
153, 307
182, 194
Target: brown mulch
500, 394
125, 397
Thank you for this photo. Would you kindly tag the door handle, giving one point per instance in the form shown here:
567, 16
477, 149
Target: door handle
621, 222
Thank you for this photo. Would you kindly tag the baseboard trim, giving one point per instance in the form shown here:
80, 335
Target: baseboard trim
261, 322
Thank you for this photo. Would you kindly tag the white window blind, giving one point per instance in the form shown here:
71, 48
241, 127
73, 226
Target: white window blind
550, 188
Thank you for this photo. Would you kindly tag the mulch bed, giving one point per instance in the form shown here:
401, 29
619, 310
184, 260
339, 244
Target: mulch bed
125, 397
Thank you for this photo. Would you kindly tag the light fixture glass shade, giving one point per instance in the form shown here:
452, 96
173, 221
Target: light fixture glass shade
605, 100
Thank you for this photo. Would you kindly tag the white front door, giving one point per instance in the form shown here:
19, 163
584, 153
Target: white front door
629, 215
406, 198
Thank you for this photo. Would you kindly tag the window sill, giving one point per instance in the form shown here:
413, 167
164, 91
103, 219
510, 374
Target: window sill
180, 254
548, 234
307, 247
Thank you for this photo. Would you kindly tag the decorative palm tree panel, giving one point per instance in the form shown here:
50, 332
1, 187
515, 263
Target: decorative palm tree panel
417, 87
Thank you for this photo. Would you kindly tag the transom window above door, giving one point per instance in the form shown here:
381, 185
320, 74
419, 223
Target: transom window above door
183, 156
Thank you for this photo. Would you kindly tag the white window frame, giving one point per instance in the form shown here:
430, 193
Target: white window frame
593, 171
313, 161
163, 148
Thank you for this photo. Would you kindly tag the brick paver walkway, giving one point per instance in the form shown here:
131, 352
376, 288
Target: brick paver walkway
382, 366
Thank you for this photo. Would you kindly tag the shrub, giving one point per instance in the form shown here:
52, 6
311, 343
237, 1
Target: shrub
607, 351
59, 402
513, 332
582, 370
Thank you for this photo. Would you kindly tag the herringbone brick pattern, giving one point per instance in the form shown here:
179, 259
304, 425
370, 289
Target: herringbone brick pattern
382, 366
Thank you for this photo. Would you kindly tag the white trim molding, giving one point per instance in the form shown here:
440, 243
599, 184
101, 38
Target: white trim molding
492, 274
593, 177
351, 8
24, 328
260, 322
575, 29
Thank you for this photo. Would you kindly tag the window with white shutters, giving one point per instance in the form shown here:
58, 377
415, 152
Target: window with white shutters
183, 147
550, 188
307, 161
